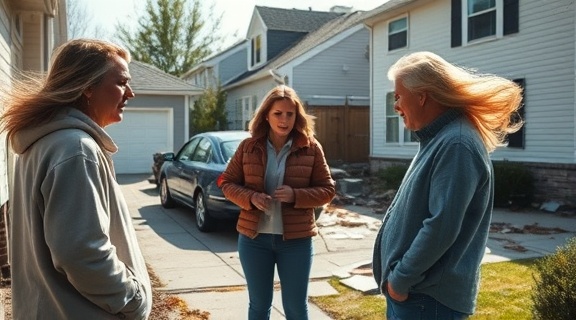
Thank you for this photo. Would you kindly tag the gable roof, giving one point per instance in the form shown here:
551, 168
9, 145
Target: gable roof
149, 79
329, 30
294, 20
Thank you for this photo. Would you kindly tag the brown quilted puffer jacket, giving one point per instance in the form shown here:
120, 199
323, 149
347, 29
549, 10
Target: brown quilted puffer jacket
306, 172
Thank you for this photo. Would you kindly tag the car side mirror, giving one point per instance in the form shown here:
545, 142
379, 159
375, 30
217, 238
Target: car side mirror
169, 156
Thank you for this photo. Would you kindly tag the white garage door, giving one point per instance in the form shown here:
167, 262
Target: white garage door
141, 133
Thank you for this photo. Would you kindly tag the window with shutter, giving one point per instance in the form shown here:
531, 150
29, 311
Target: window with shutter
483, 19
516, 139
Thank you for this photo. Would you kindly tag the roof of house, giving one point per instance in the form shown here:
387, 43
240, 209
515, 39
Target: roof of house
146, 77
387, 6
308, 42
294, 20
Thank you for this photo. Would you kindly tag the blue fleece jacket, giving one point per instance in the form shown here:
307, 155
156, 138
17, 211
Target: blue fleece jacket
434, 233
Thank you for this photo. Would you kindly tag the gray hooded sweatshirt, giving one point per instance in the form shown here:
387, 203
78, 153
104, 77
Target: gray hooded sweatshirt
74, 252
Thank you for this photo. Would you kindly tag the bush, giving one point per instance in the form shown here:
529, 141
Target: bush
391, 177
554, 296
513, 184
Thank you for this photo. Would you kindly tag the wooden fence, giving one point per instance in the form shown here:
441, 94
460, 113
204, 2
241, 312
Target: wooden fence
343, 131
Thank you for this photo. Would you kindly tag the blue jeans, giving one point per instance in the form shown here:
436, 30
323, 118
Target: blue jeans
292, 258
420, 306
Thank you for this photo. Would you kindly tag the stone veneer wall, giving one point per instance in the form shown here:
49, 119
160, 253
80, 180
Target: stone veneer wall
551, 181
4, 262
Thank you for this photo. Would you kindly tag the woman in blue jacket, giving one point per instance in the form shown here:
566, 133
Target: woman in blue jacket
428, 252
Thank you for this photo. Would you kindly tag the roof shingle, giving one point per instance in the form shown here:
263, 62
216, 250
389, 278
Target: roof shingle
146, 77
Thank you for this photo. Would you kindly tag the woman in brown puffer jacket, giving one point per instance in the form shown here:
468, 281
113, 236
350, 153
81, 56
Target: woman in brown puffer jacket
277, 177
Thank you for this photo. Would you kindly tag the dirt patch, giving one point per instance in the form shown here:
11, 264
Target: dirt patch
164, 306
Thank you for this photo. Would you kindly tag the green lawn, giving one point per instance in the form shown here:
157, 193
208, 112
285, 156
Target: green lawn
505, 293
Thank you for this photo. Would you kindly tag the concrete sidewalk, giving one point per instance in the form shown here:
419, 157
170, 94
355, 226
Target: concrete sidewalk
204, 270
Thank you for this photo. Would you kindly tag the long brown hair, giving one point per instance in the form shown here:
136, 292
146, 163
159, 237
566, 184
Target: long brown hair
304, 124
34, 99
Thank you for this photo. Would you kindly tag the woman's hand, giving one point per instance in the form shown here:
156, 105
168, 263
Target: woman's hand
261, 201
284, 193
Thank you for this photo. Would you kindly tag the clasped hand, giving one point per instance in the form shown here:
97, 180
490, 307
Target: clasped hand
262, 201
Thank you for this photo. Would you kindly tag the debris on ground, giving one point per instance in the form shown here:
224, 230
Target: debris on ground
501, 227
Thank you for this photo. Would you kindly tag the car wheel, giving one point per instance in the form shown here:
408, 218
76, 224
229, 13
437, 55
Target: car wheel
165, 197
204, 221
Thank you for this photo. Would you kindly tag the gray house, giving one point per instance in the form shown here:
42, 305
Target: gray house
29, 31
156, 120
526, 41
322, 55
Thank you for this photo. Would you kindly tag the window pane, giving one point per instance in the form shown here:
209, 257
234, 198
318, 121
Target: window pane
408, 136
397, 40
203, 151
480, 5
390, 104
229, 148
392, 129
483, 25
398, 25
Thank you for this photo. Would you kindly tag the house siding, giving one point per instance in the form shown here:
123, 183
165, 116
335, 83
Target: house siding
232, 66
5, 63
542, 53
539, 53
344, 69
176, 103
258, 88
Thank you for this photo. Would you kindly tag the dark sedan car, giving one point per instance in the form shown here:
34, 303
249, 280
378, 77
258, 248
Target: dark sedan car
189, 177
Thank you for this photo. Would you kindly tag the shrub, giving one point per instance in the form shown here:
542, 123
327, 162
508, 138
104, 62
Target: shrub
554, 296
391, 177
513, 184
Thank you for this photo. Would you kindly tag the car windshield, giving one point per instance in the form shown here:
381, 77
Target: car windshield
228, 149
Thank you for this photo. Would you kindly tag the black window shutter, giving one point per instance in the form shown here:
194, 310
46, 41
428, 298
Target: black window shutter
456, 24
511, 16
516, 139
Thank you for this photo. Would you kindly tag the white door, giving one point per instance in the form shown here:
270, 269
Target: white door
141, 133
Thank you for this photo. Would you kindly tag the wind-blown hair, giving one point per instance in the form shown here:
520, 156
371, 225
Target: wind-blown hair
304, 124
76, 65
488, 101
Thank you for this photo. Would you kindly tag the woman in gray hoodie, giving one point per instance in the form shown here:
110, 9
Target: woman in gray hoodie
74, 252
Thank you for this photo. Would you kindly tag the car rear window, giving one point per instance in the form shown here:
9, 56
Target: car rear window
228, 149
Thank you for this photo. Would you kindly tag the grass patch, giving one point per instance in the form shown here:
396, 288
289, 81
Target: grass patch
351, 304
505, 293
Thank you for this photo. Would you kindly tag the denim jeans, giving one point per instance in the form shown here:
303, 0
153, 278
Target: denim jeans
292, 258
420, 307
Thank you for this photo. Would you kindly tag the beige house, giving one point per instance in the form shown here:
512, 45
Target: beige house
29, 31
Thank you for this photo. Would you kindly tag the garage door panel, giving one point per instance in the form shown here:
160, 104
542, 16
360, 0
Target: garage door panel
141, 133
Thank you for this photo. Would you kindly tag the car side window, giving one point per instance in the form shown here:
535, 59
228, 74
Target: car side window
185, 153
203, 151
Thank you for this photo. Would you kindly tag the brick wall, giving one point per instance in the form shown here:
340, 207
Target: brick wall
551, 181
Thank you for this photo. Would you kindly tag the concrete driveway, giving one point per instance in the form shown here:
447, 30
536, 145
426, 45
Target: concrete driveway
204, 269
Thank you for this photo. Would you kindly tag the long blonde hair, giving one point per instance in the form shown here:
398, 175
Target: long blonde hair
304, 124
34, 99
487, 100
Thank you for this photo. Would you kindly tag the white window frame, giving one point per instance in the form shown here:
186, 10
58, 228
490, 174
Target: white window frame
404, 135
256, 57
407, 30
499, 8
245, 112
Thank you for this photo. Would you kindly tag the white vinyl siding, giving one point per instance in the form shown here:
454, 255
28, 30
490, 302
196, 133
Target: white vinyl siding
344, 66
542, 53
